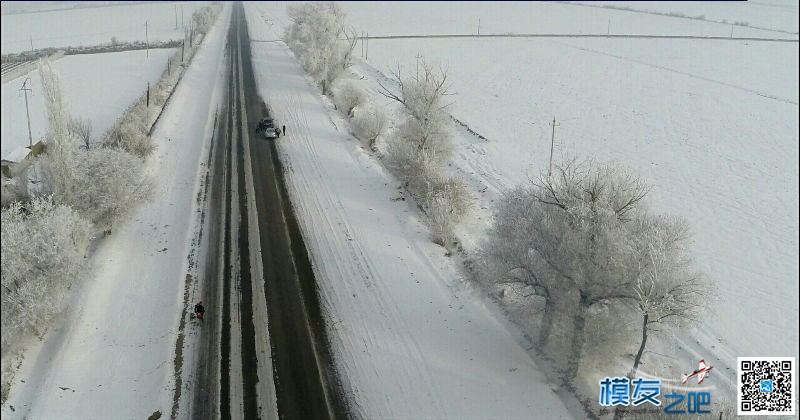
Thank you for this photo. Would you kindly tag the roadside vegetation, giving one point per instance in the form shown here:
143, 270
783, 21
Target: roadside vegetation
72, 194
420, 147
593, 262
576, 256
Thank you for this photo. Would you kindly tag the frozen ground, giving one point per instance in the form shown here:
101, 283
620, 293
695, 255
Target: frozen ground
711, 125
111, 355
91, 26
775, 15
427, 18
99, 87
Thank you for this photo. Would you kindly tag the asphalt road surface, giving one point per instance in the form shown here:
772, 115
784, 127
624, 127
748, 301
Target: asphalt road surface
240, 351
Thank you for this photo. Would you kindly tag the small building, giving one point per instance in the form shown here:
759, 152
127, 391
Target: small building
21, 156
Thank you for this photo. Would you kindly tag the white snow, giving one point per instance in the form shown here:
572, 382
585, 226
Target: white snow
429, 18
112, 353
410, 338
777, 15
97, 25
712, 126
98, 87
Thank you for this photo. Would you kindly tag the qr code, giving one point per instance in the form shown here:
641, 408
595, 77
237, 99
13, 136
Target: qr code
766, 386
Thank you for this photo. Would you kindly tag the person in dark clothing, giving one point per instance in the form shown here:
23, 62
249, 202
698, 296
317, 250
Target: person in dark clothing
199, 310
284, 130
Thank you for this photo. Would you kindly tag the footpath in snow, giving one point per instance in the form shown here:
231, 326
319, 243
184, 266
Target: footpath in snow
408, 337
111, 354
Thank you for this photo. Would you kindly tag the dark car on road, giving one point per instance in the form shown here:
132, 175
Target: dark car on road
267, 126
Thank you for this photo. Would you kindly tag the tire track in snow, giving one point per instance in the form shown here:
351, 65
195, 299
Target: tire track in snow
352, 251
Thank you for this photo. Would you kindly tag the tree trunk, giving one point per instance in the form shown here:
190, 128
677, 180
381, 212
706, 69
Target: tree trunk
641, 347
546, 327
576, 352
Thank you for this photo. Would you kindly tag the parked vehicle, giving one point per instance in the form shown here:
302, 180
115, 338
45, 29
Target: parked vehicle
270, 133
265, 124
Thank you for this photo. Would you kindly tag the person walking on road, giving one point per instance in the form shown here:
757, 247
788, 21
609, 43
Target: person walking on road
284, 130
199, 310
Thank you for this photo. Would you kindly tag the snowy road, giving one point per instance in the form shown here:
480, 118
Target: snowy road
263, 348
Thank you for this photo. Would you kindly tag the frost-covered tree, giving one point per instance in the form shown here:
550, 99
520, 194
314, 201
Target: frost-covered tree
576, 238
421, 144
130, 134
110, 184
447, 202
316, 37
668, 289
60, 146
347, 96
81, 130
428, 126
43, 246
369, 123
204, 18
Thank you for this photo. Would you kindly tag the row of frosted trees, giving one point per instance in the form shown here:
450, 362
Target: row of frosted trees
599, 272
79, 188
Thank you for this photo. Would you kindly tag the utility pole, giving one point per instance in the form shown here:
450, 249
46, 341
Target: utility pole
366, 55
147, 43
418, 56
608, 32
31, 43
148, 94
552, 142
25, 89
176, 17
479, 26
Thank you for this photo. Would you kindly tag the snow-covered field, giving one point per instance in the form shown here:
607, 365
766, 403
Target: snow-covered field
712, 126
98, 87
429, 18
91, 26
112, 353
772, 15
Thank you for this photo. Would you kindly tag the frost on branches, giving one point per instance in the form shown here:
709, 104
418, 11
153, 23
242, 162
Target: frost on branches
109, 184
368, 123
60, 147
584, 242
421, 145
104, 184
43, 246
347, 96
316, 37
